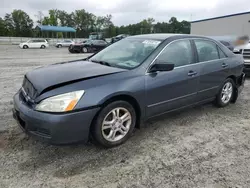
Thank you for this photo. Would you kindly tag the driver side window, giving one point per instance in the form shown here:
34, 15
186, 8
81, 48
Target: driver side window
178, 53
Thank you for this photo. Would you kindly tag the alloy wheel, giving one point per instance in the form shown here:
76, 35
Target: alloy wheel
227, 92
85, 50
116, 124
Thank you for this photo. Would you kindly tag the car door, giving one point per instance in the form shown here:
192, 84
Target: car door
214, 68
66, 43
40, 43
102, 44
166, 91
96, 45
36, 44
31, 44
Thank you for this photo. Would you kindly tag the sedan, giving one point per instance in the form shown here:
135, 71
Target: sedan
64, 43
89, 46
109, 94
118, 37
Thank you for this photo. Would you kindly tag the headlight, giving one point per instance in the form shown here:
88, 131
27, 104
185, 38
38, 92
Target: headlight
60, 103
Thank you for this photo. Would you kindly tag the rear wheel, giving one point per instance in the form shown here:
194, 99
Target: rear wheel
59, 46
25, 47
43, 46
226, 92
85, 50
114, 124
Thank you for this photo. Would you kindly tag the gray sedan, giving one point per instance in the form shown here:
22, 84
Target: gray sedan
114, 91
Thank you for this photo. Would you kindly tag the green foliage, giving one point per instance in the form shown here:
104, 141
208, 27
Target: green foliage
2, 27
60, 35
18, 23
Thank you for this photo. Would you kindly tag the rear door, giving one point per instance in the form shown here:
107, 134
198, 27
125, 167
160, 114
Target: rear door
40, 43
214, 68
166, 91
37, 43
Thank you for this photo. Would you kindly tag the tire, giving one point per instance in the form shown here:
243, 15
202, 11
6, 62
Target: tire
25, 47
85, 50
59, 46
118, 129
43, 46
225, 94
70, 49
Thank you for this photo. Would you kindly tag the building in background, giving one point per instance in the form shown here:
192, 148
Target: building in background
229, 25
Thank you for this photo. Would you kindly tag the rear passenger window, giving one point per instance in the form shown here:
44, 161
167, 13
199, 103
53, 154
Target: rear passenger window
178, 53
207, 50
221, 53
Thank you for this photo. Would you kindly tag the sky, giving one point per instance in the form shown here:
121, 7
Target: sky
126, 12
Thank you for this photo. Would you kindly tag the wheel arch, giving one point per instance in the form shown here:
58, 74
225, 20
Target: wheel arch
127, 98
235, 93
233, 78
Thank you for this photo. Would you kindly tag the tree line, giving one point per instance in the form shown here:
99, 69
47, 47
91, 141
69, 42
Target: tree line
19, 24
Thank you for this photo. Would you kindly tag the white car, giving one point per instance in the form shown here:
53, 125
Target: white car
34, 43
64, 43
245, 51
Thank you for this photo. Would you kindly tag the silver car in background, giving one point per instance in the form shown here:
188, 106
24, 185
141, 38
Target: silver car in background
64, 43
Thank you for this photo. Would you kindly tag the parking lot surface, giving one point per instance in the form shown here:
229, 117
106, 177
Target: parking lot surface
200, 147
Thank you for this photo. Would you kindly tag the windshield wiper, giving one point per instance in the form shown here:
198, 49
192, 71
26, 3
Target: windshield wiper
101, 62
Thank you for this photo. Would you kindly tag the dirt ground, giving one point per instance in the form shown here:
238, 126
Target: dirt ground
200, 147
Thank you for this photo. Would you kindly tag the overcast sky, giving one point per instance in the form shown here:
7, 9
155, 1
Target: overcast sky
132, 11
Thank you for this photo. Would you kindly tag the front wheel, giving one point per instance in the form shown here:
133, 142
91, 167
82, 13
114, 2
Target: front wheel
43, 46
226, 92
114, 124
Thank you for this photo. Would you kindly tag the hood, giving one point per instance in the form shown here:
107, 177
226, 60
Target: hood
245, 46
78, 44
60, 74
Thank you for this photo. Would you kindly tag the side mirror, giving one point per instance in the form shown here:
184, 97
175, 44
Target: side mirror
161, 67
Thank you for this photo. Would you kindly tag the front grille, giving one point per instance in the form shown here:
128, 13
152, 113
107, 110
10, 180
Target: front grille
246, 53
28, 90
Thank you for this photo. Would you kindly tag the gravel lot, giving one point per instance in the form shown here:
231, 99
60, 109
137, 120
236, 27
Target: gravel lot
201, 147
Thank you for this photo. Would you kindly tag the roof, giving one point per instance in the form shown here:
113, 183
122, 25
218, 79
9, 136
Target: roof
156, 36
56, 28
226, 16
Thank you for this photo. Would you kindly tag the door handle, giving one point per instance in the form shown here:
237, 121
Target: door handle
192, 73
224, 65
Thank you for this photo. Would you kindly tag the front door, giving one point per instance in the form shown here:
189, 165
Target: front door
166, 91
31, 44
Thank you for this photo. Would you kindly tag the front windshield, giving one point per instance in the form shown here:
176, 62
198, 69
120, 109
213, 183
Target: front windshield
126, 53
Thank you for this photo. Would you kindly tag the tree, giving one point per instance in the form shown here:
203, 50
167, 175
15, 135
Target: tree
9, 25
18, 23
185, 27
174, 25
85, 22
22, 23
2, 27
53, 17
62, 16
46, 21
40, 17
